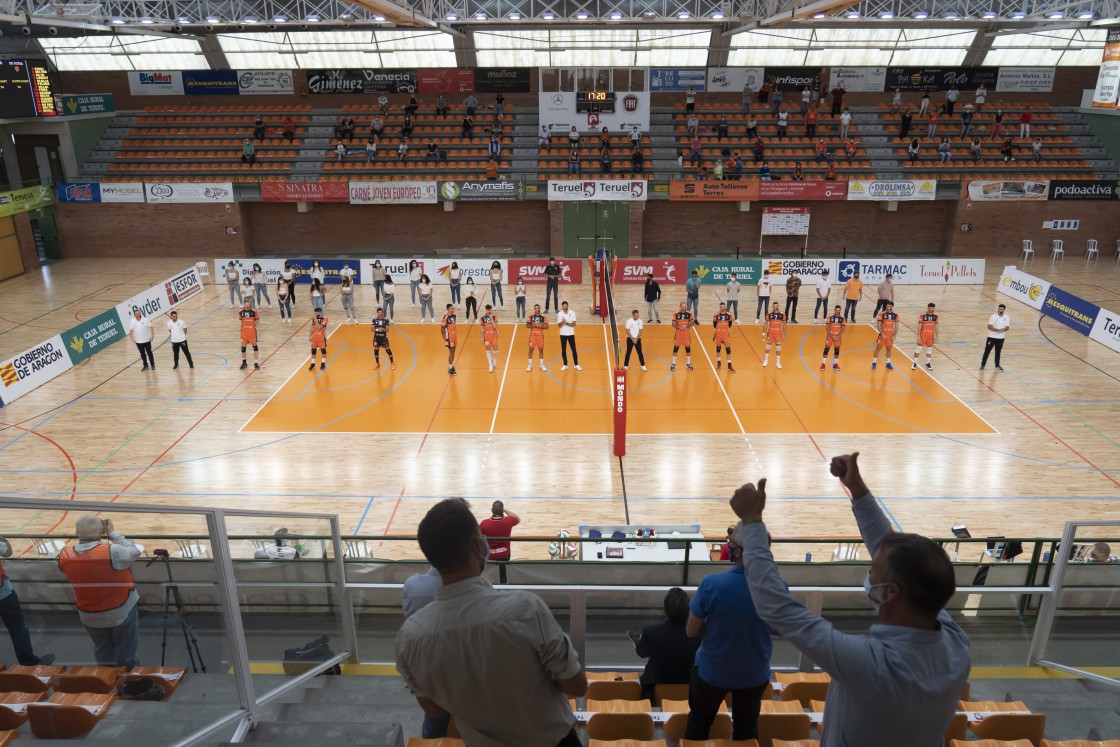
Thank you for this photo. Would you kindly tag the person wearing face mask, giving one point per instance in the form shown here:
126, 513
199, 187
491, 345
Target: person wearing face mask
900, 683
474, 651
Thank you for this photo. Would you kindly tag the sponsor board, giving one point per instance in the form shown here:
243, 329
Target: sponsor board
941, 78
897, 190
571, 270
210, 83
672, 79
272, 268
93, 335
92, 103
305, 192
1106, 329
785, 221
718, 271
806, 190
122, 192
791, 78
481, 191
1083, 189
597, 190
809, 270
1023, 287
1025, 79
32, 368
386, 80
913, 271
557, 111
156, 83
397, 269
858, 79
478, 269
161, 298
502, 79
1107, 91
23, 200
735, 79
986, 190
634, 271
188, 192
705, 191
78, 192
1070, 310
445, 80
393, 193
264, 82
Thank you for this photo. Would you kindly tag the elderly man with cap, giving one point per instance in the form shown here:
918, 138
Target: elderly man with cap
103, 588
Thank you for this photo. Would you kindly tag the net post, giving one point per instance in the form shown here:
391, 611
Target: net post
603, 288
619, 397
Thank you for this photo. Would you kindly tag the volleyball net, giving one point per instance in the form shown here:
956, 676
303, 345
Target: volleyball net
618, 390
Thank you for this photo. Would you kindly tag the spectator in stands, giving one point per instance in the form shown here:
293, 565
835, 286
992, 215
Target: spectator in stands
104, 590
377, 127
695, 155
913, 150
783, 123
951, 97
748, 94
885, 295
805, 96
1100, 553
837, 98
845, 123
635, 137
904, 121
1036, 149
604, 138
671, 652
811, 123
981, 97
764, 172
820, 150
473, 652
340, 151
966, 121
752, 127
605, 162
371, 150
470, 103
383, 105
573, 137
637, 160
850, 149
830, 172
500, 104
249, 152
498, 124
945, 151
725, 548
815, 86
896, 101
12, 614
412, 105
717, 170
494, 148
798, 172
721, 127
764, 92
431, 153
777, 106
759, 149
1007, 150
406, 126
974, 149
690, 99
289, 130
997, 123
573, 161
544, 137
468, 128
737, 167
346, 128
259, 130
692, 124
1025, 123
924, 105
441, 106
931, 127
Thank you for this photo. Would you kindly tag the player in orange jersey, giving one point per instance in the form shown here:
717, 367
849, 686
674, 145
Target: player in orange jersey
537, 324
249, 318
833, 330
774, 335
380, 327
722, 322
450, 337
888, 327
318, 339
927, 336
489, 332
682, 336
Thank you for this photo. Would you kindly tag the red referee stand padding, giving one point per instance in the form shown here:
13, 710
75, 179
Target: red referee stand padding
619, 394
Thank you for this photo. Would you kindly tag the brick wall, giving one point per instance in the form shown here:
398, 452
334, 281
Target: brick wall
141, 230
998, 228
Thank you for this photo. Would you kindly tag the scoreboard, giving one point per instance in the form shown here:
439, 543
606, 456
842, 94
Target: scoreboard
26, 89
595, 101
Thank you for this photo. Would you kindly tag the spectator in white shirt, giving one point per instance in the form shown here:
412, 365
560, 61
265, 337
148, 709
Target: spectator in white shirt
634, 327
573, 137
566, 321
177, 328
732, 299
845, 123
260, 285
140, 330
544, 137
763, 295
317, 272
824, 287
233, 281
998, 324
347, 271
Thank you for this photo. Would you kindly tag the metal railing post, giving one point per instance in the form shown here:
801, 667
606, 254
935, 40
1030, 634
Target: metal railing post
345, 600
578, 622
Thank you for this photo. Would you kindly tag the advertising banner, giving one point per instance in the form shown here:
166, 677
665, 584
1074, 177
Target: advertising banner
913, 271
393, 193
900, 190
396, 268
503, 79
22, 200
734, 79
1106, 329
1023, 287
719, 271
478, 269
806, 190
305, 192
210, 83
156, 83
302, 265
481, 191
941, 78
161, 298
1070, 310
571, 270
558, 113
792, 78
78, 192
670, 79
858, 79
809, 270
985, 190
445, 80
188, 192
264, 82
705, 191
783, 221
635, 271
93, 335
1107, 91
32, 368
1025, 79
122, 192
597, 190
387, 80
1084, 189
92, 103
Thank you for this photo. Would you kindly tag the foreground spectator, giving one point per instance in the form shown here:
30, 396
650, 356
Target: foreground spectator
12, 615
670, 651
1101, 553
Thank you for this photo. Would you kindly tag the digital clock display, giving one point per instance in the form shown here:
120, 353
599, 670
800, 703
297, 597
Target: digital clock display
595, 101
597, 96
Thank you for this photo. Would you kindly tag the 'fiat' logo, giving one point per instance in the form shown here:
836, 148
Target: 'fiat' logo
630, 103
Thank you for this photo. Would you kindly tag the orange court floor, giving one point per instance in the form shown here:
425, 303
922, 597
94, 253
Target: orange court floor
419, 396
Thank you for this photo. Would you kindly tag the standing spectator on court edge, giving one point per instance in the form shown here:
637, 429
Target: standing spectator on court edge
566, 321
899, 684
853, 289
886, 293
734, 655
692, 293
670, 651
11, 613
824, 288
497, 662
733, 286
552, 283
837, 98
233, 281
177, 329
793, 290
764, 284
652, 294
104, 591
418, 591
260, 285
998, 324
500, 525
140, 330
634, 328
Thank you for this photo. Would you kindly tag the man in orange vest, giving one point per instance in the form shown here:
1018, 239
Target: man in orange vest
12, 615
104, 591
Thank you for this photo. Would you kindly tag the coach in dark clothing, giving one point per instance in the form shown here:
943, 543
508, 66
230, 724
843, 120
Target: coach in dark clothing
667, 646
552, 289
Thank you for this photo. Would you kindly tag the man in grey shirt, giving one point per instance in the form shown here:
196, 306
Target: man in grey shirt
900, 683
418, 591
733, 286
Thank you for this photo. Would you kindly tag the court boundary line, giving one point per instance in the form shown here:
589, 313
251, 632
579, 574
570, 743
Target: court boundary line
722, 388
502, 385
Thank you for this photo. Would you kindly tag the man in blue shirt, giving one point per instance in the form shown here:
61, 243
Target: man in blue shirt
692, 294
900, 683
734, 656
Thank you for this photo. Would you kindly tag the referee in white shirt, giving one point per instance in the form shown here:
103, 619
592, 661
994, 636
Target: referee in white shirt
140, 330
634, 327
177, 328
566, 321
824, 287
998, 324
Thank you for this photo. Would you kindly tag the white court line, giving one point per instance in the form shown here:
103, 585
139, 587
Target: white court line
502, 386
704, 350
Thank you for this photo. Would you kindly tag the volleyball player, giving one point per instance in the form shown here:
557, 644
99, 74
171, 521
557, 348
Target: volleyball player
450, 337
380, 327
833, 331
249, 332
490, 336
537, 324
318, 338
722, 322
774, 335
682, 336
927, 336
888, 326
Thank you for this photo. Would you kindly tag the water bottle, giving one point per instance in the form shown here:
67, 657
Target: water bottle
1046, 557
808, 557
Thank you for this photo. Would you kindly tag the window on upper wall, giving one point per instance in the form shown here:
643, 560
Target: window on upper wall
124, 52
339, 49
1063, 47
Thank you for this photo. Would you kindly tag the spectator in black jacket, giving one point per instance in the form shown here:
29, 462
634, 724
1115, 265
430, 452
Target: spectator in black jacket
652, 296
670, 651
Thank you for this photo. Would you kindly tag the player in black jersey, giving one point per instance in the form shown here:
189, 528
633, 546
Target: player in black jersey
380, 327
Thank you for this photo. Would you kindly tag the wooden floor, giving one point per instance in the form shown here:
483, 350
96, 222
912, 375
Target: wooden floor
1014, 453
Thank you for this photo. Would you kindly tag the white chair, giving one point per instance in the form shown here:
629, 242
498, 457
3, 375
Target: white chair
47, 547
1057, 250
1028, 249
357, 549
203, 270
1091, 250
192, 549
847, 551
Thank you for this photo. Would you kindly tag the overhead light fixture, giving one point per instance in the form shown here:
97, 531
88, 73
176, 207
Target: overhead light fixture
250, 20
683, 15
548, 15
379, 19
119, 21
1088, 15
480, 16
1019, 15
818, 15
951, 16
989, 15
279, 19
853, 14
146, 21
616, 16
717, 16
582, 15
345, 16
452, 17
886, 14
313, 19
1056, 16
184, 19
921, 15
515, 16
